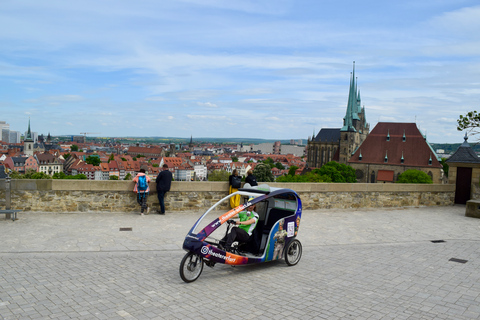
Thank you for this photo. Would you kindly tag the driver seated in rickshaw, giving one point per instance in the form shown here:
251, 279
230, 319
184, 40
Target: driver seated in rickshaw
246, 224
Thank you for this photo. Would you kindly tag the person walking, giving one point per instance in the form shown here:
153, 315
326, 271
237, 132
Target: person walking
164, 182
142, 189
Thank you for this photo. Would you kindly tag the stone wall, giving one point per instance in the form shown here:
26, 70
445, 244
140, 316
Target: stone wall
117, 196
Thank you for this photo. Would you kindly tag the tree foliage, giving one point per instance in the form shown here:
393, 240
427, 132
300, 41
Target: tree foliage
279, 165
309, 177
269, 162
338, 172
263, 172
113, 178
469, 122
29, 174
61, 175
93, 160
218, 175
291, 170
330, 172
414, 176
74, 148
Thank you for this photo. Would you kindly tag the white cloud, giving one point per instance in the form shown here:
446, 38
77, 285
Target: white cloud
207, 104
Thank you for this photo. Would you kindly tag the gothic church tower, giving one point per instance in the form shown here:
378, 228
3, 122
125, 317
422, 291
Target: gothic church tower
355, 127
28, 142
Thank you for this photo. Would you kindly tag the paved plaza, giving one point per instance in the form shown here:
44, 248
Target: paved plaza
356, 264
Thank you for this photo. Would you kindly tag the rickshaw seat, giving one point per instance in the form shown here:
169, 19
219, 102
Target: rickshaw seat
273, 215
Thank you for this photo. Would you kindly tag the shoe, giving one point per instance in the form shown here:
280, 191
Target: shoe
148, 210
142, 214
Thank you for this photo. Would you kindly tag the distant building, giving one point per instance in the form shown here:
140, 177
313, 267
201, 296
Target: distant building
48, 163
4, 126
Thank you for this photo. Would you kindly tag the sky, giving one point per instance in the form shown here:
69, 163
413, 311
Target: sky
251, 68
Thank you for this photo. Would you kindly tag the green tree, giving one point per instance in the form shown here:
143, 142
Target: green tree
66, 156
309, 177
128, 176
111, 158
73, 148
15, 175
269, 162
79, 176
414, 176
263, 172
218, 175
469, 122
338, 172
59, 175
280, 166
291, 170
93, 159
113, 178
234, 159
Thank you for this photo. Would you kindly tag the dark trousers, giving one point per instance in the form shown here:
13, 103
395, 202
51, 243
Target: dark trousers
236, 234
161, 200
142, 200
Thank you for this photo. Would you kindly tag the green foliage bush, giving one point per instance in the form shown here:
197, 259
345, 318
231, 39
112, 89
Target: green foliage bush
414, 176
330, 172
263, 172
218, 175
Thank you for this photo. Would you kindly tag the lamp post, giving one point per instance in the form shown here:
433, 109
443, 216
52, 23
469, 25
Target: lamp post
8, 196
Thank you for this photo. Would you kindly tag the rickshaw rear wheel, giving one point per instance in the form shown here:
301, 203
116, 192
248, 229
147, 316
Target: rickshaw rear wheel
191, 267
293, 253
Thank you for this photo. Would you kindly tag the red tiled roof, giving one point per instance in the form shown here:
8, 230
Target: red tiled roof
415, 150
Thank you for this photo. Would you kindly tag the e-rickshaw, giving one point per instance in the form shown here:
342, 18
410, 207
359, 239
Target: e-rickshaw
273, 238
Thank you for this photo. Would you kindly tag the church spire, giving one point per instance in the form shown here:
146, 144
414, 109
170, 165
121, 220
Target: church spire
352, 105
29, 132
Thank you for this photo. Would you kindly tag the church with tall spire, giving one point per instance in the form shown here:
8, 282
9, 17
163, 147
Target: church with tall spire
28, 143
338, 144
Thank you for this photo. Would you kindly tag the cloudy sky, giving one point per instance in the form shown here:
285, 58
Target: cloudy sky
249, 68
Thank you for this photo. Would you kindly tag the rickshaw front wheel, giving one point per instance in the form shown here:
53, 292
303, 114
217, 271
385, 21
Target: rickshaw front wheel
191, 267
293, 253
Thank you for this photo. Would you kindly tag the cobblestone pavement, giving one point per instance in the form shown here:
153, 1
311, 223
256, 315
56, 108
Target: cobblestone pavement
363, 264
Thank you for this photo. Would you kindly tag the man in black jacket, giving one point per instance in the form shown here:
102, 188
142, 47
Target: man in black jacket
164, 181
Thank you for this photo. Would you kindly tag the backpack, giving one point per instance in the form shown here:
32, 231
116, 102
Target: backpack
236, 182
142, 183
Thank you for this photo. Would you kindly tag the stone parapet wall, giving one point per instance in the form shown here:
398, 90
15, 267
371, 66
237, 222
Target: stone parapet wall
117, 196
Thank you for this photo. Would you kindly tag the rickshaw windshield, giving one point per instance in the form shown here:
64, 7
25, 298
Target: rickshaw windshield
219, 209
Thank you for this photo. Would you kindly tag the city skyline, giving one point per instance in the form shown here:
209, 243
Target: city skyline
255, 69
